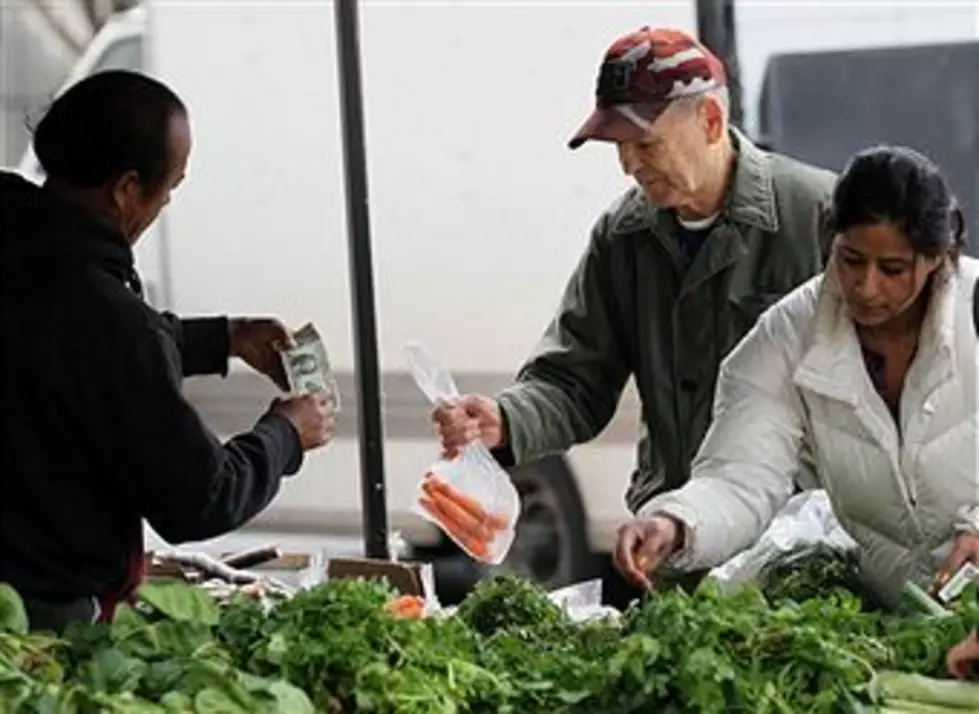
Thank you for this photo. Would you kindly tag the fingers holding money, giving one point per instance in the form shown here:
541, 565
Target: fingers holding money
312, 415
256, 341
307, 366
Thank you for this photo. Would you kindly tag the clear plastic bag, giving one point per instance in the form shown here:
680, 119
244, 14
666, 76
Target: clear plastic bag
806, 519
471, 498
583, 602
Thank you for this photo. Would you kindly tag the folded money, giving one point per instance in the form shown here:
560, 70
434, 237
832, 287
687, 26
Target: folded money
308, 366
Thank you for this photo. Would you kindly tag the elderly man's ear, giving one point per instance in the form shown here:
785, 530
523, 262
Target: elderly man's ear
713, 117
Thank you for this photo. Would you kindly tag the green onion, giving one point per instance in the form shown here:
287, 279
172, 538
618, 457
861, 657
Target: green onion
902, 707
923, 603
895, 689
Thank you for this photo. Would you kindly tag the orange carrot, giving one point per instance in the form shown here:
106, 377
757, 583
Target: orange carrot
470, 541
406, 606
461, 516
434, 484
434, 507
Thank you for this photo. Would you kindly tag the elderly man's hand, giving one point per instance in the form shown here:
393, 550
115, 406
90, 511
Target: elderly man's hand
462, 421
963, 655
257, 341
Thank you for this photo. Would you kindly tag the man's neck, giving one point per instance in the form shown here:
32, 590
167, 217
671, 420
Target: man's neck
90, 200
709, 200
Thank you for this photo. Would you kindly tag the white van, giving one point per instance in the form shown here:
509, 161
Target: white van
478, 211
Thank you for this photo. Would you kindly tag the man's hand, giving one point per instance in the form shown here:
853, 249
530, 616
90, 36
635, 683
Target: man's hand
966, 550
312, 417
642, 546
461, 422
257, 341
963, 655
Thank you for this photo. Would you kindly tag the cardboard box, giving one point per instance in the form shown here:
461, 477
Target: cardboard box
407, 578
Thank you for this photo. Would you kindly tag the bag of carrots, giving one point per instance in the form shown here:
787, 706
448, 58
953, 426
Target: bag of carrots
471, 498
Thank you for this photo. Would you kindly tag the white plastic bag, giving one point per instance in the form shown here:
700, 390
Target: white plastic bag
806, 519
470, 498
315, 571
583, 601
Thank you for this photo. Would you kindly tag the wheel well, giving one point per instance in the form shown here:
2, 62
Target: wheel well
557, 469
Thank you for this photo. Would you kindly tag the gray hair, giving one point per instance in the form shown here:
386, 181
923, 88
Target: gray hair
721, 95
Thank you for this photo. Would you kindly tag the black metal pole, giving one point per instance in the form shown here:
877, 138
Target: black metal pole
716, 29
375, 523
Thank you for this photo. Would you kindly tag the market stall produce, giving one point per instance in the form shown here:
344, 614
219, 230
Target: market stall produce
353, 645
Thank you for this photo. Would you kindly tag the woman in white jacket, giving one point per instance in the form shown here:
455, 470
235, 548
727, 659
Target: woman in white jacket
866, 374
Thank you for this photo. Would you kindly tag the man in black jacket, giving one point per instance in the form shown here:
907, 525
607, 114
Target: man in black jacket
96, 433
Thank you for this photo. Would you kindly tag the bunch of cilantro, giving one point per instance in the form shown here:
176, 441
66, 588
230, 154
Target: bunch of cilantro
508, 648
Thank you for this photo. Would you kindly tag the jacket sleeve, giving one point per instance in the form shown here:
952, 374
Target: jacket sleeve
968, 520
185, 483
745, 469
968, 514
569, 389
204, 344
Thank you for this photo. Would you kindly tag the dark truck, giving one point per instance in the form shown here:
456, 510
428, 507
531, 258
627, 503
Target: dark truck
822, 107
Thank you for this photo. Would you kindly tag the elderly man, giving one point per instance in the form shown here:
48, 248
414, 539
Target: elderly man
676, 272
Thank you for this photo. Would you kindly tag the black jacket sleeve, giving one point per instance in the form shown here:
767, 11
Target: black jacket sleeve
204, 344
185, 483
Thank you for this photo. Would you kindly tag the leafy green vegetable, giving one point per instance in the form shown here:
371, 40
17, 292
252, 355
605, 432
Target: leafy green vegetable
176, 601
168, 654
508, 602
508, 650
811, 571
13, 616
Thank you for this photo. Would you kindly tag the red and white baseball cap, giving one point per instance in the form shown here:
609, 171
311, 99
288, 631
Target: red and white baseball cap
642, 73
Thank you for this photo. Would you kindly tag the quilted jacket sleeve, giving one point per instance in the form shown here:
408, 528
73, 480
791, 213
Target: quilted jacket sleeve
745, 469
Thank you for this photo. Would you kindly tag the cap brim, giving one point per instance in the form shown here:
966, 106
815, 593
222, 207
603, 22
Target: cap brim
621, 123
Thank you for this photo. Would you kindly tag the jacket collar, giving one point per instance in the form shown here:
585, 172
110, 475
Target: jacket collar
37, 224
89, 235
750, 200
832, 361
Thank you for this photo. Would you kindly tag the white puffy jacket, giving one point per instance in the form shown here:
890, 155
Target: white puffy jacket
797, 387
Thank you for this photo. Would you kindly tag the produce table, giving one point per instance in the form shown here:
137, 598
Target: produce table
356, 645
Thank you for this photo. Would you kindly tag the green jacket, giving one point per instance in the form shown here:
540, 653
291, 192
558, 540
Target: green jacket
632, 309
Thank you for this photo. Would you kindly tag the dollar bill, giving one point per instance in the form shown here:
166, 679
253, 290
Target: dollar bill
307, 366
967, 574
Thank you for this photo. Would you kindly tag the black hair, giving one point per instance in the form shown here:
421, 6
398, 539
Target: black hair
900, 186
105, 125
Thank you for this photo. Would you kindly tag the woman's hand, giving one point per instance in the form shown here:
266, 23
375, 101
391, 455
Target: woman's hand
963, 655
965, 550
643, 545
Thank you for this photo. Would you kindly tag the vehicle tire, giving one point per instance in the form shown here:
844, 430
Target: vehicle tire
551, 546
